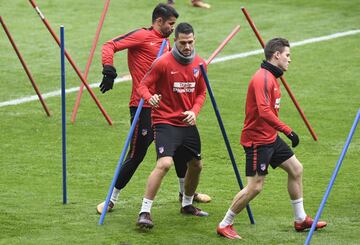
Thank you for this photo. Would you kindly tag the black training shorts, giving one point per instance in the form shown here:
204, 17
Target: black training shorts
259, 157
181, 143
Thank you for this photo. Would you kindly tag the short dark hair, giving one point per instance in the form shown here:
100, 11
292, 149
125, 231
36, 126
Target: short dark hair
164, 11
275, 44
184, 27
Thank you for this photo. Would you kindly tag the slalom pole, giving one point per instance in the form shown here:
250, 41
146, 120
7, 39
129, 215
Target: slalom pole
92, 51
281, 78
117, 171
63, 111
332, 180
28, 73
226, 139
222, 45
77, 70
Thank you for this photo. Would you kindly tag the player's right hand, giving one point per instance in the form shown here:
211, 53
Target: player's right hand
107, 83
155, 100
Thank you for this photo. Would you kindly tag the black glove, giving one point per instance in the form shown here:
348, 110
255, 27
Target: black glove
107, 83
294, 138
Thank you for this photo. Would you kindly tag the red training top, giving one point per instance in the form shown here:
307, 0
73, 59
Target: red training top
143, 46
182, 88
262, 106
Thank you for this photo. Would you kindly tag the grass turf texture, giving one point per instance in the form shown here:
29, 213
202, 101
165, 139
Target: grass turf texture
323, 77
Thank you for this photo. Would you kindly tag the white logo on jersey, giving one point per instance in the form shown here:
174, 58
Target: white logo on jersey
196, 72
173, 72
184, 87
152, 43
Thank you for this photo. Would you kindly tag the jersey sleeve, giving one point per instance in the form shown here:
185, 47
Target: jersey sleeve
263, 92
119, 43
200, 92
147, 84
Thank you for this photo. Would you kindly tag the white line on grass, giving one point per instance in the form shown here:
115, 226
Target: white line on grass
216, 60
300, 43
57, 93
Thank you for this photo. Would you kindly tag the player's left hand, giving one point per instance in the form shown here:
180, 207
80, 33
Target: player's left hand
294, 138
190, 117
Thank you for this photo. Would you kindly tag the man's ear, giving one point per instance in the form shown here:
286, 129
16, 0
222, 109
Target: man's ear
159, 20
277, 54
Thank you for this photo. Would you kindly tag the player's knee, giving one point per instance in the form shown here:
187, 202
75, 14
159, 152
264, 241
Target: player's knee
300, 170
165, 167
195, 165
139, 156
164, 164
255, 188
297, 171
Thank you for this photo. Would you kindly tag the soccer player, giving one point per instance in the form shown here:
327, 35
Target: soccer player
262, 144
143, 46
195, 3
174, 86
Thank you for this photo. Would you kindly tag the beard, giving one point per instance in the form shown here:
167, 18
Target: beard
166, 33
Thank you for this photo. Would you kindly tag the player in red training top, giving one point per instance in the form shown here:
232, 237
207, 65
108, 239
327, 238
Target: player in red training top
143, 46
174, 86
262, 144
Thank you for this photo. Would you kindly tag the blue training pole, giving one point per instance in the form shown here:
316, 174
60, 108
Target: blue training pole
337, 168
117, 171
63, 112
227, 143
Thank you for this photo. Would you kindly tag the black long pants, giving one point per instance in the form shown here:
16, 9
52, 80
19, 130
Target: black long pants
142, 138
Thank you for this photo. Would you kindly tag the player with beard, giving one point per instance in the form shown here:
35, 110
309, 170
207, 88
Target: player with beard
174, 86
143, 46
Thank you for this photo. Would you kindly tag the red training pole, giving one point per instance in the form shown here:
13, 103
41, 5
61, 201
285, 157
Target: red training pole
222, 45
282, 78
71, 62
25, 68
92, 51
